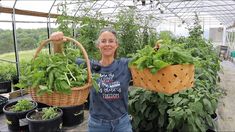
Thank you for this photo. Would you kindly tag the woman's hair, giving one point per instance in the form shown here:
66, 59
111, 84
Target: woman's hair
107, 29
111, 30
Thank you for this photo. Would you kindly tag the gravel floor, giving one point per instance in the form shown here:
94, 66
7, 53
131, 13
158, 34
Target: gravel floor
226, 108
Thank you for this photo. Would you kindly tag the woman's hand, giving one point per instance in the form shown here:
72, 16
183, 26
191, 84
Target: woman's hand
58, 39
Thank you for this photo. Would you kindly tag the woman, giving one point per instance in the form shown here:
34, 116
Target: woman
108, 107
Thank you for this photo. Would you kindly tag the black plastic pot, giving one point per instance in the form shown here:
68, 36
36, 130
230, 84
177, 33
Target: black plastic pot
3, 101
15, 80
50, 125
16, 121
41, 105
86, 104
73, 115
5, 87
214, 116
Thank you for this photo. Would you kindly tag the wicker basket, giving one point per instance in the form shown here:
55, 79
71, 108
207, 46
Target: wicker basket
168, 80
78, 95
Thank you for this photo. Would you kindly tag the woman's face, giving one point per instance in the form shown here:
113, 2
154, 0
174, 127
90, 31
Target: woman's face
107, 44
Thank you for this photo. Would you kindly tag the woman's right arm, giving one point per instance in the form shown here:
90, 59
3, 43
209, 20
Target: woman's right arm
57, 39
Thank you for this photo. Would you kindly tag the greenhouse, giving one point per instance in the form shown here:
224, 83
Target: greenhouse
117, 65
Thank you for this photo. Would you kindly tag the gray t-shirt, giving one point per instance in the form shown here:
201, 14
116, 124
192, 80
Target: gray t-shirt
111, 101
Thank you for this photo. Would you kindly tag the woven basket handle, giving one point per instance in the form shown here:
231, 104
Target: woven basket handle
45, 42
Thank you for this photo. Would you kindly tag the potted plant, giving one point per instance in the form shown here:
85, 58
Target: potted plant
15, 113
6, 75
47, 119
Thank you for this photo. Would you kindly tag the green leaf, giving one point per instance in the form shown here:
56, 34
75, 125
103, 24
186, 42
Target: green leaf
22, 105
153, 70
133, 92
188, 112
191, 120
178, 114
44, 89
147, 112
144, 106
171, 124
208, 120
183, 101
161, 121
197, 107
140, 62
137, 106
147, 95
214, 104
161, 96
176, 100
162, 108
159, 64
207, 106
131, 102
199, 124
20, 85
136, 121
49, 113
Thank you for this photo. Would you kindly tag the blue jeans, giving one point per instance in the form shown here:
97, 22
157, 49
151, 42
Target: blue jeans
121, 124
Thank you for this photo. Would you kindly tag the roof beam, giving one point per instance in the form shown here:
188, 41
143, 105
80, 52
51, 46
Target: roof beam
7, 21
226, 18
170, 9
202, 6
27, 12
193, 10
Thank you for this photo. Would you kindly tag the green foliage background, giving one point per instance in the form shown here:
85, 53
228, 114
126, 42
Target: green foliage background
27, 39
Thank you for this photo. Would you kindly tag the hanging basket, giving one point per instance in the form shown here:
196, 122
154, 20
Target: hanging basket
78, 95
168, 80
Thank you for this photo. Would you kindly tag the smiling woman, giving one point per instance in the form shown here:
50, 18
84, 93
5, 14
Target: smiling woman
108, 106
